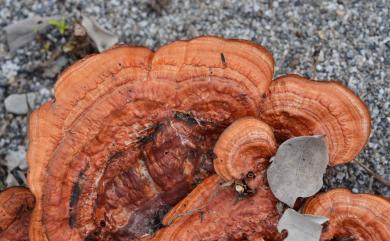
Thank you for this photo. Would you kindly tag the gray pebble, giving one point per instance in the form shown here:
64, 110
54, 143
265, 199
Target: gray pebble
19, 103
16, 159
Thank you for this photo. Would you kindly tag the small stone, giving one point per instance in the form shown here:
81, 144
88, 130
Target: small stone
340, 175
340, 12
321, 56
56, 67
239, 188
16, 159
17, 103
10, 69
22, 176
11, 181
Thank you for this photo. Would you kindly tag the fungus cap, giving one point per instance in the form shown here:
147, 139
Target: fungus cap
296, 106
352, 216
241, 146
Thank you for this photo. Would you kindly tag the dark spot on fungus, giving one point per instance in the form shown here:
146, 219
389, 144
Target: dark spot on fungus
90, 238
186, 117
75, 195
72, 220
102, 223
148, 138
76, 190
250, 175
116, 155
343, 239
223, 59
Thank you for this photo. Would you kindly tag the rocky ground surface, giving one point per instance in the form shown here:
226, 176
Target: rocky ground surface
344, 40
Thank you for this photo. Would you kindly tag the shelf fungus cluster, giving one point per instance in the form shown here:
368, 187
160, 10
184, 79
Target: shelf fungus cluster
131, 132
140, 145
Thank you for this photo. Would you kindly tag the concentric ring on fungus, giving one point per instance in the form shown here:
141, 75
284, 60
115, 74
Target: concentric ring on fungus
296, 106
359, 217
241, 147
131, 132
16, 204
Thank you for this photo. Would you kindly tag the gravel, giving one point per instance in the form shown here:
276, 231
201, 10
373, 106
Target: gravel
19, 103
344, 40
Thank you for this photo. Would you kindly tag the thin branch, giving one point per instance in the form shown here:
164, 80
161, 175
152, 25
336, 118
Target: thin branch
373, 174
199, 209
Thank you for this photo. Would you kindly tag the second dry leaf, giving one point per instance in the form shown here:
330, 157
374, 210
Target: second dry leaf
301, 227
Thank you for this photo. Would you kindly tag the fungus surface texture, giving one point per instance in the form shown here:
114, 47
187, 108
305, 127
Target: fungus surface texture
352, 216
131, 132
213, 212
296, 106
241, 146
16, 204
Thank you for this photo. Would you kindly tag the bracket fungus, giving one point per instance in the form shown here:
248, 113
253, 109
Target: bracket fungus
241, 146
296, 106
352, 216
131, 132
16, 204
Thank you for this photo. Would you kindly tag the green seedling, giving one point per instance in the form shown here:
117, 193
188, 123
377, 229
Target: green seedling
59, 24
2, 185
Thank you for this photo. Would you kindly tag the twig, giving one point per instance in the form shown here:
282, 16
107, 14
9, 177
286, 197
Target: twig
372, 173
5, 126
200, 209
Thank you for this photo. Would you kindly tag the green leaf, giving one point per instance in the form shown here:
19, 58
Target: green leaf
2, 185
46, 46
59, 24
68, 47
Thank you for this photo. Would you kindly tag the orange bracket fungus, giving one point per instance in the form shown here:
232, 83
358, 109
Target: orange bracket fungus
296, 106
241, 146
16, 204
352, 216
131, 132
